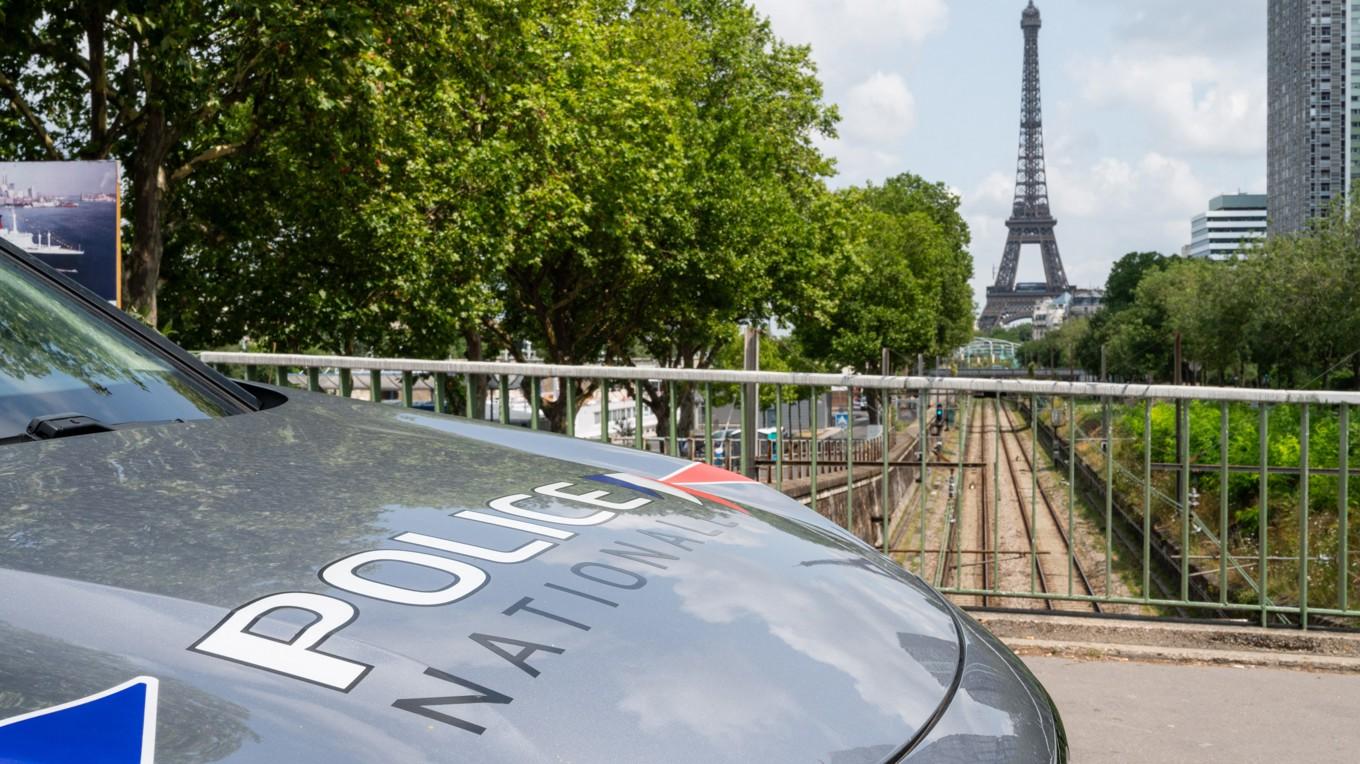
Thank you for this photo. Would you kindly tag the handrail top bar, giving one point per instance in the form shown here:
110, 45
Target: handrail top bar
960, 384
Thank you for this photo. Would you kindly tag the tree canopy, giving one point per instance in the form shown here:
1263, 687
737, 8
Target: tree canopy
603, 179
900, 282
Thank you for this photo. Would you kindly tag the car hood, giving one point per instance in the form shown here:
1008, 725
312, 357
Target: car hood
706, 618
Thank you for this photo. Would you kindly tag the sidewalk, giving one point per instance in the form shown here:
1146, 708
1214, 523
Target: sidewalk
1124, 711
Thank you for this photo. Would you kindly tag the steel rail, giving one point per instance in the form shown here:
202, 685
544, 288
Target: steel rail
1020, 504
1032, 459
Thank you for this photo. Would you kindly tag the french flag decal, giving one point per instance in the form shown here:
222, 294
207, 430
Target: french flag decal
686, 483
116, 726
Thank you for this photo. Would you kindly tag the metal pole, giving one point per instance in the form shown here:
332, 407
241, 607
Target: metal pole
1223, 502
996, 482
672, 414
1071, 489
1033, 490
923, 441
1263, 515
812, 456
1343, 510
504, 389
570, 386
750, 402
708, 422
535, 395
1183, 425
1303, 515
779, 437
886, 499
1147, 498
637, 415
850, 459
1109, 490
604, 411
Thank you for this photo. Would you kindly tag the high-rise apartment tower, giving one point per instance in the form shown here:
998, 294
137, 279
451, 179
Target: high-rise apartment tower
1313, 119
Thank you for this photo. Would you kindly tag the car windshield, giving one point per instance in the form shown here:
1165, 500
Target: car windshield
56, 358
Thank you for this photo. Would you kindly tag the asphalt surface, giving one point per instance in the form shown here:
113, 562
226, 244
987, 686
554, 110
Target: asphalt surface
1117, 711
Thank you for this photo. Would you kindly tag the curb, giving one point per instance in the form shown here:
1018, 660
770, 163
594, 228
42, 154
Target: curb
1165, 642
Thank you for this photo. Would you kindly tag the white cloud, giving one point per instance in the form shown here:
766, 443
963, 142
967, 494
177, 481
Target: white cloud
1204, 104
838, 27
862, 50
878, 110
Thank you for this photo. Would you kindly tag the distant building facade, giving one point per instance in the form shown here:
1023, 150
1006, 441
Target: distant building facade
1054, 312
1085, 302
1311, 120
1231, 222
1048, 315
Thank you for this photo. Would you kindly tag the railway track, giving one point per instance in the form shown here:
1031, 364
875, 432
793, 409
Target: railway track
1030, 519
970, 481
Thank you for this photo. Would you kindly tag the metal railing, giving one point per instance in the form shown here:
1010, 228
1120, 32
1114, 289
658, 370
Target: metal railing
1133, 498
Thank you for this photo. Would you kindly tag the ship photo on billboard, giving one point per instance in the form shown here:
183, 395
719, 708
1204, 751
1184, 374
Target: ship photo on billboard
66, 214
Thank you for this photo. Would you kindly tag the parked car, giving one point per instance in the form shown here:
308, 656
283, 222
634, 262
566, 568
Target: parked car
200, 570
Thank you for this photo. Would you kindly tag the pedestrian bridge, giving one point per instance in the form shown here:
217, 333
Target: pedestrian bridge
1012, 494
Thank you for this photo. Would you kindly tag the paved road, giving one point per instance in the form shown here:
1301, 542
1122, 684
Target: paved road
1144, 712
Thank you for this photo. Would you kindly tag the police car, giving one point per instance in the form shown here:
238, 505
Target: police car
199, 570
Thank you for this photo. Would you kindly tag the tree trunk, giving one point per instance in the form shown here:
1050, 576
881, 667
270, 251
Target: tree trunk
141, 274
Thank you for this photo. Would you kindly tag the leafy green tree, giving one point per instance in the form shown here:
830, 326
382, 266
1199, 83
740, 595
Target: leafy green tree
901, 283
167, 88
756, 223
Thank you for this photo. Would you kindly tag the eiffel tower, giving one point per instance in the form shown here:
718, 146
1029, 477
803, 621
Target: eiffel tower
1031, 221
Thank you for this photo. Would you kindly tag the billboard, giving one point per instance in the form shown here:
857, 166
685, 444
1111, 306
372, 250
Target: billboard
66, 214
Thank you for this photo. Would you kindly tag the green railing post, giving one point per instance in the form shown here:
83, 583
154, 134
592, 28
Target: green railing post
504, 389
1304, 427
1223, 502
408, 384
708, 423
996, 484
535, 398
251, 372
1343, 510
637, 415
672, 423
346, 383
1109, 491
1263, 515
964, 418
314, 379
281, 376
570, 386
923, 441
1184, 414
604, 411
779, 437
850, 459
812, 456
1147, 499
1071, 490
375, 385
747, 439
886, 500
1033, 490
468, 396
441, 396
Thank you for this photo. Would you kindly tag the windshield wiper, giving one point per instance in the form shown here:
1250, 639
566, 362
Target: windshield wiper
52, 426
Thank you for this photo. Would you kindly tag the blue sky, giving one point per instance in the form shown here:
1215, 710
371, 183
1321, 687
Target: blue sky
1150, 108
